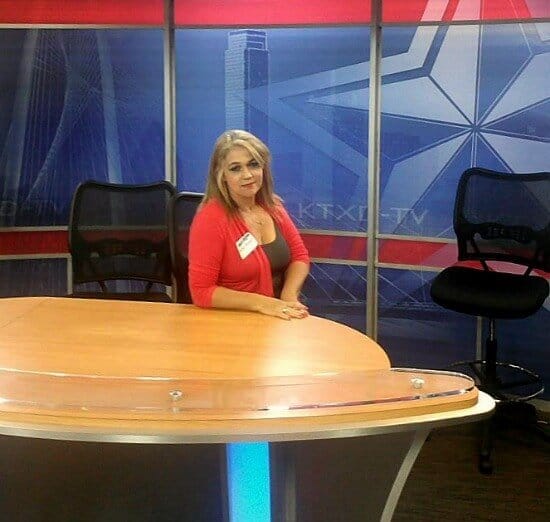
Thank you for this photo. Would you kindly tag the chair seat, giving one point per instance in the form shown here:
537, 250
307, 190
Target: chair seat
498, 295
156, 297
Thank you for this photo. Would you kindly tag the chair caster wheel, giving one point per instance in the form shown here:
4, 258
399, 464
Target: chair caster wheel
485, 465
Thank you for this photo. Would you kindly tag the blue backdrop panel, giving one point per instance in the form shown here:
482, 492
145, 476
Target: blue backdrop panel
338, 292
76, 104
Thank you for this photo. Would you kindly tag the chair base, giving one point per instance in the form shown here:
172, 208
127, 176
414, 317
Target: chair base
511, 385
504, 381
509, 414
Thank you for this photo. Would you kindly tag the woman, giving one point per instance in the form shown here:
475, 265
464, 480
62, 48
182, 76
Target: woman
244, 251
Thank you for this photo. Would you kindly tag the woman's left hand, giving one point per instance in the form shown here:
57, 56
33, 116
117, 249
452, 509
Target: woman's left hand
294, 310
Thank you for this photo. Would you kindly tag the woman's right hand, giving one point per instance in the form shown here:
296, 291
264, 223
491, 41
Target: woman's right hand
284, 309
237, 300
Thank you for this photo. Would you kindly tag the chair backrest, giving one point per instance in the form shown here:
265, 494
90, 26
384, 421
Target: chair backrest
183, 207
120, 232
504, 217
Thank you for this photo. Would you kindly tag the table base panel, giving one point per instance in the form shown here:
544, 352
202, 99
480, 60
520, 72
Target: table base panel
62, 481
348, 479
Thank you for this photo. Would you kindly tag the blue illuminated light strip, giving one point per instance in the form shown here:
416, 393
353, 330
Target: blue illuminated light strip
248, 484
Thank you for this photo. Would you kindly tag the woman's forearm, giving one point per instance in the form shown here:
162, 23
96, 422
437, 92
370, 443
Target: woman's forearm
237, 300
295, 276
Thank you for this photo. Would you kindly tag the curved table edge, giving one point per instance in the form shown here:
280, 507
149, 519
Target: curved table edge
481, 410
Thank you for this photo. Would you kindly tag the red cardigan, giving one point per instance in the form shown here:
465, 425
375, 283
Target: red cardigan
214, 259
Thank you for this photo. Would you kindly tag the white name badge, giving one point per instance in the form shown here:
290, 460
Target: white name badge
246, 244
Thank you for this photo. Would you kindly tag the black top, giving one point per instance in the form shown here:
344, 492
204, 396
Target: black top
278, 254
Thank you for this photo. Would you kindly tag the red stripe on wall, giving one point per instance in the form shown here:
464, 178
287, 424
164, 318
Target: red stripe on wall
391, 251
336, 247
258, 12
421, 253
38, 242
119, 12
272, 12
403, 11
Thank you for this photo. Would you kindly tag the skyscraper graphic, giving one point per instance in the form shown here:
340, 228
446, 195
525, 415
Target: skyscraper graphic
247, 68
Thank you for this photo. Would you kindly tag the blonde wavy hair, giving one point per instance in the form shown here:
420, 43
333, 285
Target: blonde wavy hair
216, 187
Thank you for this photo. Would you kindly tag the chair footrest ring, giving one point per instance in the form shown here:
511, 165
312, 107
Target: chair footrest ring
504, 381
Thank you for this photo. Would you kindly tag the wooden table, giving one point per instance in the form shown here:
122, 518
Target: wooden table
323, 395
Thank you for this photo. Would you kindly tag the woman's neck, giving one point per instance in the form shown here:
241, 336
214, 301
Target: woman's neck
246, 205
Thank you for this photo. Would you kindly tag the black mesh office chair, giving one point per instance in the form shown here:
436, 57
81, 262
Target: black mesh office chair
504, 218
183, 207
118, 239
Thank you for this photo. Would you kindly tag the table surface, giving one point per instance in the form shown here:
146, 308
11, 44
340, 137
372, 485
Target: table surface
127, 371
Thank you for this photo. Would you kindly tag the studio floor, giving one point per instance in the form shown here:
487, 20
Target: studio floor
445, 484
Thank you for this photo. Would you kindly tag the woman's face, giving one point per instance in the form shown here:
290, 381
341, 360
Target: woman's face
243, 175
